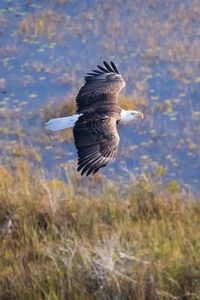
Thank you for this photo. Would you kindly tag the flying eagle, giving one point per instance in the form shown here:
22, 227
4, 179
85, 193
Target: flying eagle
95, 122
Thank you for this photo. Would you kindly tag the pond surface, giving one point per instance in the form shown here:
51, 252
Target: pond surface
46, 49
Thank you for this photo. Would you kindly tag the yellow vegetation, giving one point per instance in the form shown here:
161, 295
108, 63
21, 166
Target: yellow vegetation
95, 239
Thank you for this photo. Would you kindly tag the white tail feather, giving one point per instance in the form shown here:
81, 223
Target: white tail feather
62, 123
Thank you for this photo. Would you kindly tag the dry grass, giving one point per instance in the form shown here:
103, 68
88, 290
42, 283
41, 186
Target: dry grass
95, 238
46, 23
157, 38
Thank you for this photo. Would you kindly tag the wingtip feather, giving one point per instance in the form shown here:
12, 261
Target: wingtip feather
114, 67
107, 66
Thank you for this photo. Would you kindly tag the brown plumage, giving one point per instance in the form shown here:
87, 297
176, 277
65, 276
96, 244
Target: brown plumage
95, 132
95, 123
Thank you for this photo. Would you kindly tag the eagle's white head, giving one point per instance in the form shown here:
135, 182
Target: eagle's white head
129, 115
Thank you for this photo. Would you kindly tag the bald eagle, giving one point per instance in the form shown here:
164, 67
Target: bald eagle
95, 122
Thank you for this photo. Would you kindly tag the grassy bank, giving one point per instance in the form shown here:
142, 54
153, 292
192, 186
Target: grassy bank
95, 238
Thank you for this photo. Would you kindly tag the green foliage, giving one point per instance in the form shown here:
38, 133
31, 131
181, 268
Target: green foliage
95, 239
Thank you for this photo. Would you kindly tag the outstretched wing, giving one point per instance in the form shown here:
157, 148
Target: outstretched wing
101, 86
96, 139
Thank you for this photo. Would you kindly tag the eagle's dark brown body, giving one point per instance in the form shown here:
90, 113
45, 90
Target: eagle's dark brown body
95, 123
95, 132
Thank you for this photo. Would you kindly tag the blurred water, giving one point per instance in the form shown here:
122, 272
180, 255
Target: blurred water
46, 49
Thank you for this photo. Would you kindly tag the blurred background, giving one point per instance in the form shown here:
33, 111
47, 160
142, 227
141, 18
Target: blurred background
132, 233
46, 48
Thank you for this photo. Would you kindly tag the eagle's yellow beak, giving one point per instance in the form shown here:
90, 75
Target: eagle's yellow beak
140, 115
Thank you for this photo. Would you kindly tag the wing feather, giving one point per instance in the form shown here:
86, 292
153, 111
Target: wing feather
114, 67
108, 67
97, 71
102, 69
102, 86
96, 139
